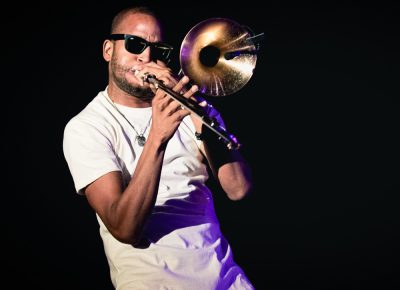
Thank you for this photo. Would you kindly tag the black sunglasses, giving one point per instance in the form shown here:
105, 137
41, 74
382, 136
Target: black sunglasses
136, 45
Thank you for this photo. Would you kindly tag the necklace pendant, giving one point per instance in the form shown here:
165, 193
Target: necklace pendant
141, 140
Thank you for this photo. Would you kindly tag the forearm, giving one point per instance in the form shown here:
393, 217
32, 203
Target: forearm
235, 179
228, 166
138, 199
130, 212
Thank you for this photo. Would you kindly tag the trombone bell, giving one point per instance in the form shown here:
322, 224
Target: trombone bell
219, 56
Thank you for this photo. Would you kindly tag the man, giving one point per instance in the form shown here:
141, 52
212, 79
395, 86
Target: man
134, 154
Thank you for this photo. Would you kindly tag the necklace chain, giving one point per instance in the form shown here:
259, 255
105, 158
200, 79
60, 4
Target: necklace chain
139, 137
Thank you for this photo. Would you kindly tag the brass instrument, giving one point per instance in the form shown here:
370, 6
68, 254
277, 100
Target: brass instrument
219, 56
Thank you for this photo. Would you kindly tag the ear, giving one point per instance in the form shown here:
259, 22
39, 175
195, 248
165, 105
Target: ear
108, 47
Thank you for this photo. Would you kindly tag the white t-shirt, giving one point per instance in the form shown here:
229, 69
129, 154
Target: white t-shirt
183, 247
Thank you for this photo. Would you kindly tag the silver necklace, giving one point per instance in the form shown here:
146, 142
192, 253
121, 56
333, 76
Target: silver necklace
141, 140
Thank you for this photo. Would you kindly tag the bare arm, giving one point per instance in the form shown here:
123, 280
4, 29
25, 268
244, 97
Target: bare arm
228, 166
124, 211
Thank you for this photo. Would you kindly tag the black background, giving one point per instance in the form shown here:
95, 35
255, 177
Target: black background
318, 122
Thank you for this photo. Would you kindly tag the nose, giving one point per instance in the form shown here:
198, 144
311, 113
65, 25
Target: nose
145, 56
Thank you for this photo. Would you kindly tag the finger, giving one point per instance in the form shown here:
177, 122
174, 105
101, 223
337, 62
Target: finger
181, 84
161, 100
168, 80
157, 64
161, 73
161, 63
203, 103
190, 92
180, 114
156, 69
173, 107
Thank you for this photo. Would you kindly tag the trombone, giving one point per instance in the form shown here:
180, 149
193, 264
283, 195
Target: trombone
219, 55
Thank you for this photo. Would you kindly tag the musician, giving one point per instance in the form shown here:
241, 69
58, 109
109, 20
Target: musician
141, 159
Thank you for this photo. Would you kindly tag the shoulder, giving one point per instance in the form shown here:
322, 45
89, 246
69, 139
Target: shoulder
94, 117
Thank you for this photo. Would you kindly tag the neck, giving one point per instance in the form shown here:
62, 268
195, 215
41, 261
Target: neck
120, 97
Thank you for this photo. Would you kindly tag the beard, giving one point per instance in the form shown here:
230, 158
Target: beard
118, 73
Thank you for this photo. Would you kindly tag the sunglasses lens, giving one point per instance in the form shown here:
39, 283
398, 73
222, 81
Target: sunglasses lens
135, 45
161, 52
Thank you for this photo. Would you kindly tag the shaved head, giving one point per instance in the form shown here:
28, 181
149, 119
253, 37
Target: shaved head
117, 20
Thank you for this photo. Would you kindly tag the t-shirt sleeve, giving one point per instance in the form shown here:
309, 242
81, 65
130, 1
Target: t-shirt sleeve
89, 153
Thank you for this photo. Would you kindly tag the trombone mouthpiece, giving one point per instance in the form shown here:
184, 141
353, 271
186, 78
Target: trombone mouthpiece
143, 77
147, 76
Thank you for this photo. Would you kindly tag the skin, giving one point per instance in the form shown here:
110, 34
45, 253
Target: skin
124, 210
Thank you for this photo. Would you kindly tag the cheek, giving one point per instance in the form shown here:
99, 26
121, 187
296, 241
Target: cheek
119, 61
125, 58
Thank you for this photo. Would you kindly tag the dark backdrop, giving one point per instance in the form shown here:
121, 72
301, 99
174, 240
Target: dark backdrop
317, 121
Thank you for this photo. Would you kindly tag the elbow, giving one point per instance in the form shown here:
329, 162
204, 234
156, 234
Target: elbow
123, 238
126, 237
123, 231
236, 180
240, 192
